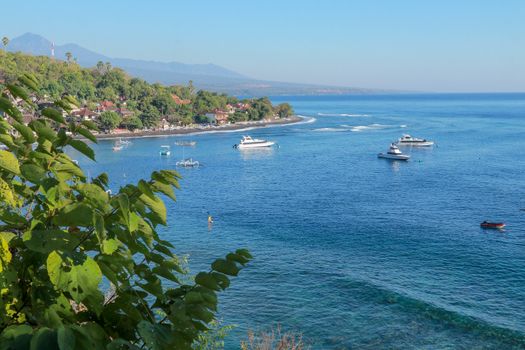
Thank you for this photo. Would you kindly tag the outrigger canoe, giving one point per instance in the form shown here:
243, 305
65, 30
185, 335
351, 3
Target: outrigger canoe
494, 225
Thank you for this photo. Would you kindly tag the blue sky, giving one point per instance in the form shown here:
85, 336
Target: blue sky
440, 45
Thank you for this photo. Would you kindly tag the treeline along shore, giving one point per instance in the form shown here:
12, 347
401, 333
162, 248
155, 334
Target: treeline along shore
124, 106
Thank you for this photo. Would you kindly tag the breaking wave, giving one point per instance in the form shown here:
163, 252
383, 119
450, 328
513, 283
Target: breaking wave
359, 128
330, 129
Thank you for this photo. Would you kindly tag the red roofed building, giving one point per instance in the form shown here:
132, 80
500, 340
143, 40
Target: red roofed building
124, 112
85, 114
218, 116
106, 106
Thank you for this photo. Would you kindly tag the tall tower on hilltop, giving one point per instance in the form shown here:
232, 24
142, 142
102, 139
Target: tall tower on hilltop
52, 50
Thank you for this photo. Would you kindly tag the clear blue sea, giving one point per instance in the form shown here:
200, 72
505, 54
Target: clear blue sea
353, 251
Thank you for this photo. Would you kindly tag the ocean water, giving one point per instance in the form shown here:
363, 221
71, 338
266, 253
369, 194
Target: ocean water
353, 251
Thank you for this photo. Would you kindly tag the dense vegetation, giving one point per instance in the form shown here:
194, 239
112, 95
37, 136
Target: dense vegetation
149, 103
81, 268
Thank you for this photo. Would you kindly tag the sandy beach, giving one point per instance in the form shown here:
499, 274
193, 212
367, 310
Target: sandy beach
185, 131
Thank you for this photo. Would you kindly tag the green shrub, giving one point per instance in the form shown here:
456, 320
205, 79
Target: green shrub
81, 268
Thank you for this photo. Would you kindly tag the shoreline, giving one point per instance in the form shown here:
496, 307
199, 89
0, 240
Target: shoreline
189, 131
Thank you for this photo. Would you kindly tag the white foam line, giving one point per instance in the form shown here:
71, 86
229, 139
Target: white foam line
307, 120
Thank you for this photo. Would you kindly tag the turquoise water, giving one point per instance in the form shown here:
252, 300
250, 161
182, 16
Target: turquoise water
354, 251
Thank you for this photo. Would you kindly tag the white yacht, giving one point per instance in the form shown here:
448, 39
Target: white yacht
248, 142
186, 143
407, 140
394, 153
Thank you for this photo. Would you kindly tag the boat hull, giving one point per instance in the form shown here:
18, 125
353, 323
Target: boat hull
493, 225
393, 156
256, 145
416, 144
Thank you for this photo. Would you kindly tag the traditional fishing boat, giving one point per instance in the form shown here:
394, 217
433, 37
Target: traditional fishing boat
492, 225
188, 163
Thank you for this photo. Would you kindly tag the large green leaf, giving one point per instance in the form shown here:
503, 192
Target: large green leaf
16, 337
156, 206
226, 267
45, 241
29, 81
77, 214
95, 195
90, 336
18, 91
206, 280
164, 188
44, 338
82, 148
109, 246
123, 202
70, 169
54, 115
9, 162
145, 188
87, 134
78, 275
25, 131
90, 125
43, 131
66, 338
156, 336
100, 230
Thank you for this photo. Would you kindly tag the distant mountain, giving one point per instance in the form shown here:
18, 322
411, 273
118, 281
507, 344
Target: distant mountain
204, 76
38, 45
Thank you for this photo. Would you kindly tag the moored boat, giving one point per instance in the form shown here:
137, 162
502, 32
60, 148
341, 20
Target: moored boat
188, 163
123, 142
492, 225
407, 140
165, 150
393, 153
186, 143
248, 142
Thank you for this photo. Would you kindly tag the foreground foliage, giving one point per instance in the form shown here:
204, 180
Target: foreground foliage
81, 268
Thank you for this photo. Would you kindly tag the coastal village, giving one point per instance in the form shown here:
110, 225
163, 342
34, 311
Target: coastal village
214, 118
120, 104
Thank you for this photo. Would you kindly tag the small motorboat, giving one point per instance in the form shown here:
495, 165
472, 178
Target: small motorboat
123, 142
117, 147
407, 140
188, 163
165, 150
492, 225
393, 153
248, 142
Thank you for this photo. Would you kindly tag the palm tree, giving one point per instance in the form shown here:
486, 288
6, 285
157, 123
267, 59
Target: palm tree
5, 41
68, 56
